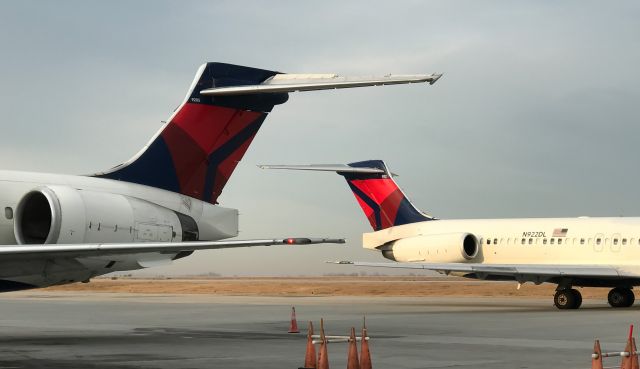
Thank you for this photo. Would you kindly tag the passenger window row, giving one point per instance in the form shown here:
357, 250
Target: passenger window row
559, 241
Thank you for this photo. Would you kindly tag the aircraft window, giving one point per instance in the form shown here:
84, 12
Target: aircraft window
544, 241
495, 241
551, 241
488, 241
598, 241
615, 241
8, 213
624, 241
582, 241
523, 241
530, 241
559, 241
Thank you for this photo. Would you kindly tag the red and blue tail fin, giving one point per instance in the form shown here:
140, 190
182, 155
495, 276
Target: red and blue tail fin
382, 201
197, 150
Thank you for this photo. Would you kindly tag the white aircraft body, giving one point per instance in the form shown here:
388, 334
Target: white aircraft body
570, 252
162, 204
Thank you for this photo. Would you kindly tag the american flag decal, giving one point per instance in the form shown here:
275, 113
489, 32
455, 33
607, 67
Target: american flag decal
560, 232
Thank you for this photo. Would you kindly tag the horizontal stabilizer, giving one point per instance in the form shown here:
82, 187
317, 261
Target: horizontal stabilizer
284, 83
340, 168
371, 182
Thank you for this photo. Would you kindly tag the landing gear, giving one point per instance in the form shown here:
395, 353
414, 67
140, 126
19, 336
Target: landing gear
621, 297
567, 299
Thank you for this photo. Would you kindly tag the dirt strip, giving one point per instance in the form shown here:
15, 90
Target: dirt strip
323, 286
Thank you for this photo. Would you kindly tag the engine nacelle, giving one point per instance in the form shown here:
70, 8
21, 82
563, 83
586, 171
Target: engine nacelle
65, 215
438, 248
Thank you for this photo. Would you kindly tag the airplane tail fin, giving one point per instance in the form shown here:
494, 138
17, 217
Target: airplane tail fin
199, 147
382, 201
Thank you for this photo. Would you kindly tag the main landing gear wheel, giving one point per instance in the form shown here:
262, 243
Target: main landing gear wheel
567, 299
621, 297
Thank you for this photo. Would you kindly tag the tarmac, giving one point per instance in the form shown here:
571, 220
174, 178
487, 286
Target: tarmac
103, 330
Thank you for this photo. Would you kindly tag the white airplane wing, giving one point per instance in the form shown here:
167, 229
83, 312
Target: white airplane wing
91, 250
519, 272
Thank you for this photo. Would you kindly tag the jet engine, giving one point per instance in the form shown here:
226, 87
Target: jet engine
65, 215
438, 248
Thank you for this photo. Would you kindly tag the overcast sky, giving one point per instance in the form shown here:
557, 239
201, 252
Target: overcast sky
536, 115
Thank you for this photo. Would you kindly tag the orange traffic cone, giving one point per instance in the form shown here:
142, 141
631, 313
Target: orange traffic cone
634, 357
365, 355
596, 358
310, 355
626, 360
352, 359
294, 323
323, 356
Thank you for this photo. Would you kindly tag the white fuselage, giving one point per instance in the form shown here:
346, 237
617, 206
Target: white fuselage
104, 222
567, 241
